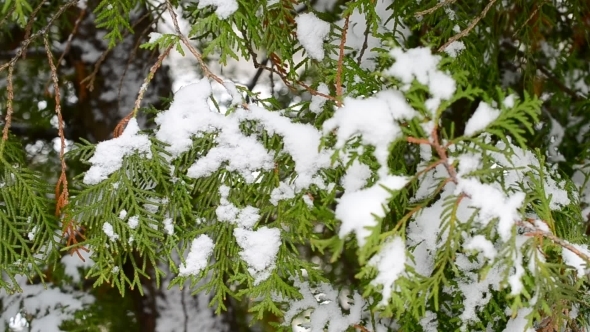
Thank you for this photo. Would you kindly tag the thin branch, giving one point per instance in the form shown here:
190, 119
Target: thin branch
29, 26
191, 48
365, 44
338, 78
70, 228
557, 240
119, 128
8, 14
9, 109
435, 8
470, 27
25, 44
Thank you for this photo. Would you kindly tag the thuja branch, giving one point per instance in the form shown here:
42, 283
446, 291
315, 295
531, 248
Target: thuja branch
341, 62
25, 44
121, 125
470, 27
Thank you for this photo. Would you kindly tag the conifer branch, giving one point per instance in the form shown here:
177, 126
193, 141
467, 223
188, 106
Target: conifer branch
338, 78
9, 109
121, 125
434, 8
470, 27
25, 44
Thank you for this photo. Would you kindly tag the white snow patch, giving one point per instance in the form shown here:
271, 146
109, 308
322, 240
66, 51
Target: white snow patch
108, 156
198, 256
259, 250
481, 118
311, 32
224, 9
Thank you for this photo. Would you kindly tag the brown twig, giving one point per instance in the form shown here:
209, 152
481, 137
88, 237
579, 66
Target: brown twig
71, 37
25, 44
365, 44
70, 227
121, 125
8, 14
29, 25
9, 109
360, 327
559, 241
338, 79
441, 151
470, 27
191, 48
435, 8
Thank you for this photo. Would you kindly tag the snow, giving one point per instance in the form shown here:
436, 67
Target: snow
421, 65
481, 118
480, 243
572, 259
107, 228
358, 209
519, 321
259, 250
390, 264
455, 48
323, 303
374, 119
169, 226
72, 263
317, 102
493, 203
226, 211
224, 8
198, 256
356, 176
133, 222
108, 156
311, 33
18, 323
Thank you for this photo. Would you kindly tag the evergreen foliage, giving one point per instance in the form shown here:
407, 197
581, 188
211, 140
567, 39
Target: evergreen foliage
390, 166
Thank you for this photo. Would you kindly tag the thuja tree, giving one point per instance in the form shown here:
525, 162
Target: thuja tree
387, 166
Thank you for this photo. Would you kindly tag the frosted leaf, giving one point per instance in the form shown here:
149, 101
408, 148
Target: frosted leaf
108, 156
311, 32
198, 256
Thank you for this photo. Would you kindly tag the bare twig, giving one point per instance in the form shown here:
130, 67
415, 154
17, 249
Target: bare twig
25, 44
435, 8
530, 231
8, 14
119, 128
470, 27
191, 48
71, 37
338, 78
9, 109
70, 228
29, 25
365, 44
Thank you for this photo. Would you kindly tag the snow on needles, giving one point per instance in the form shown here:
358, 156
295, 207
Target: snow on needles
225, 8
198, 256
311, 32
481, 118
108, 156
390, 263
420, 64
357, 210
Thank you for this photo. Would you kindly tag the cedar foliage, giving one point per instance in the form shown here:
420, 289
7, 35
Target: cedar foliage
526, 60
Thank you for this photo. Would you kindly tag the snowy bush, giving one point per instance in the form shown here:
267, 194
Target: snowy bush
392, 172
